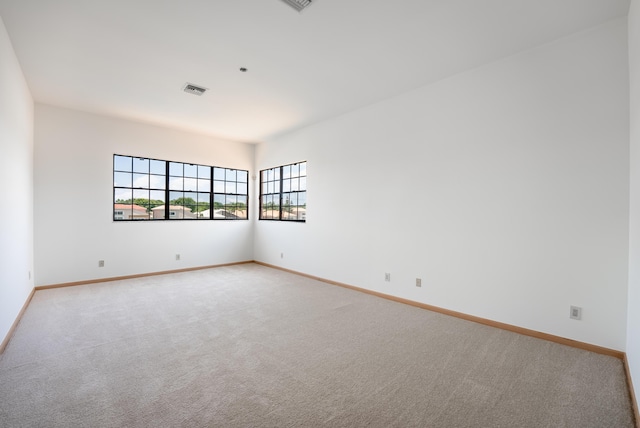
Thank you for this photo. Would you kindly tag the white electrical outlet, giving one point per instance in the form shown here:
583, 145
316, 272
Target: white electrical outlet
418, 282
100, 263
387, 277
177, 256
575, 313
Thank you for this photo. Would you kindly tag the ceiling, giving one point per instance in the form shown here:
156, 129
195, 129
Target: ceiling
131, 58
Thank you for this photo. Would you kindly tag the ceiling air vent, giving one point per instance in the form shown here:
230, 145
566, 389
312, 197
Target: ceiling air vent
193, 89
298, 4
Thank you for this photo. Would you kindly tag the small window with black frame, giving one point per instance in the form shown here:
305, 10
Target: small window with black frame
283, 193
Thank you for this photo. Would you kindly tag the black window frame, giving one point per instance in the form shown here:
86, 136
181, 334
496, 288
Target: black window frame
184, 179
277, 187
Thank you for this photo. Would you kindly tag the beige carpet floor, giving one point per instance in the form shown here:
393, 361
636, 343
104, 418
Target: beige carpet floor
250, 346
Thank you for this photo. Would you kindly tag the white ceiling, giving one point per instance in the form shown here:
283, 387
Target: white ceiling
130, 58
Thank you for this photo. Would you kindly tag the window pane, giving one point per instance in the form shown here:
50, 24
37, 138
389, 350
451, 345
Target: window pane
293, 199
157, 212
176, 169
241, 211
157, 181
203, 198
218, 186
141, 196
242, 188
158, 167
231, 175
176, 183
190, 184
286, 202
243, 176
121, 211
141, 180
286, 171
295, 170
122, 179
204, 185
303, 169
294, 184
141, 165
204, 172
190, 170
122, 163
156, 198
218, 173
302, 199
303, 183
218, 205
270, 175
123, 196
286, 185
231, 187
190, 201
270, 187
175, 198
270, 207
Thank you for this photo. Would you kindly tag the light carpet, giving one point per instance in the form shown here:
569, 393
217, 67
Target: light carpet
250, 346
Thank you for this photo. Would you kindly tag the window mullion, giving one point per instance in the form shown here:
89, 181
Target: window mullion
166, 191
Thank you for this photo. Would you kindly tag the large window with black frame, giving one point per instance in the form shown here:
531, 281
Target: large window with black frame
153, 189
283, 193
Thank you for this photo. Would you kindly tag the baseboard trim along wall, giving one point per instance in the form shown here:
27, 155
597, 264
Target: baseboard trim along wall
6, 339
141, 275
632, 393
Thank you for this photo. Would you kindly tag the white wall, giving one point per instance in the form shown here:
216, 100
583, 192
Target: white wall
633, 323
16, 178
74, 190
505, 188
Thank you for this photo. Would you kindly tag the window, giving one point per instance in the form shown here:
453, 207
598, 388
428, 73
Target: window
152, 189
230, 189
283, 193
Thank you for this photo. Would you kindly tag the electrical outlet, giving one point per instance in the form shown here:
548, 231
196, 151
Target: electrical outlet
387, 277
575, 313
100, 263
418, 282
177, 256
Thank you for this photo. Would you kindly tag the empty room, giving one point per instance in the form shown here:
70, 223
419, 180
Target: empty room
300, 213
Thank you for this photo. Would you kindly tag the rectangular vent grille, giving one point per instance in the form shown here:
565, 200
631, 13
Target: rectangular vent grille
298, 5
193, 89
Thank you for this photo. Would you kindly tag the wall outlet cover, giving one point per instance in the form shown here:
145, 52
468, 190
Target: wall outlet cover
575, 313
